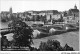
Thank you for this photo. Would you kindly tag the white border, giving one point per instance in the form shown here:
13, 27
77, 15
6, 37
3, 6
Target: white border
41, 52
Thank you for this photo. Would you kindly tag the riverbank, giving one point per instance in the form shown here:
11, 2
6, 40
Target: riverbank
71, 38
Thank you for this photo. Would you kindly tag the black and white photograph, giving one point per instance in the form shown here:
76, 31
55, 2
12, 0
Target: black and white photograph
39, 25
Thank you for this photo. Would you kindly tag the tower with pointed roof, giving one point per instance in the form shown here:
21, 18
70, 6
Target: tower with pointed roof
75, 7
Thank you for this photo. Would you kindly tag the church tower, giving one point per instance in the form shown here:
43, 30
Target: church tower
10, 10
75, 7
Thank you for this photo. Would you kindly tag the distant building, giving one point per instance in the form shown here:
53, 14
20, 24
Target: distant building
10, 10
15, 14
6, 14
54, 14
72, 15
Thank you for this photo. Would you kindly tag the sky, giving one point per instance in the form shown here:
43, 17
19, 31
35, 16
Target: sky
37, 5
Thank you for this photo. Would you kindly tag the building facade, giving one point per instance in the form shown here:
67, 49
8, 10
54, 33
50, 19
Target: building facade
72, 15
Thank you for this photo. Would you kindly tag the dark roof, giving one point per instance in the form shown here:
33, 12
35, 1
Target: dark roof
47, 11
74, 10
53, 11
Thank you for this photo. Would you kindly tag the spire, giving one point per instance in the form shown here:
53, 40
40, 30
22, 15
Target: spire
75, 7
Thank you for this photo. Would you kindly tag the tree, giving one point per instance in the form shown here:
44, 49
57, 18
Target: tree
4, 42
53, 45
22, 34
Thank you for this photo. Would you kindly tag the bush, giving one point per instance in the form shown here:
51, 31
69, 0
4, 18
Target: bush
53, 45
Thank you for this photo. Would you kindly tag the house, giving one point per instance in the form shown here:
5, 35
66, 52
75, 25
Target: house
74, 12
54, 14
72, 15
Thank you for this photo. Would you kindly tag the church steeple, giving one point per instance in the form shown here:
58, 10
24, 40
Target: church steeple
75, 7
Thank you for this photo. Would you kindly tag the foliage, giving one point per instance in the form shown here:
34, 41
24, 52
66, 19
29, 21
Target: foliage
22, 33
4, 41
53, 45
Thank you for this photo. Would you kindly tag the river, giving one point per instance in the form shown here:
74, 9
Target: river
5, 25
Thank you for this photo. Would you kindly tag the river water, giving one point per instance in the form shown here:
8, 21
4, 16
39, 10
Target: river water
5, 25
